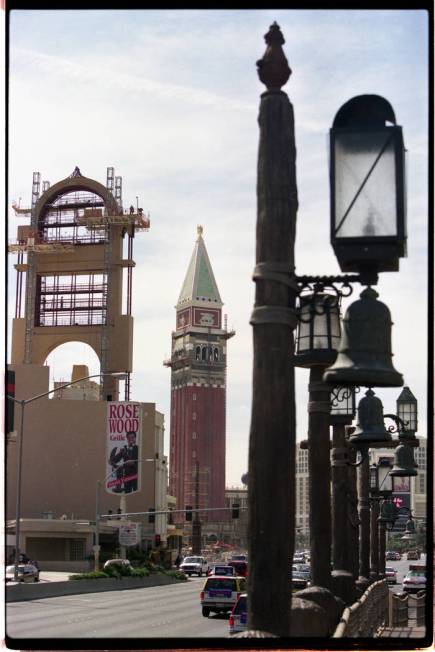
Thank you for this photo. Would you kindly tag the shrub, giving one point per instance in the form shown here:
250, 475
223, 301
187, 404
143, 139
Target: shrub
179, 575
140, 572
92, 575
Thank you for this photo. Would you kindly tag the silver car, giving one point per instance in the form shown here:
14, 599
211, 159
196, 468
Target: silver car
26, 573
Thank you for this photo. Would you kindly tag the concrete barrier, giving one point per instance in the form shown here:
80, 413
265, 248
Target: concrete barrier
22, 592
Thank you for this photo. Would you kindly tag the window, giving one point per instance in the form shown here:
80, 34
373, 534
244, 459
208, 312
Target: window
193, 397
198, 353
194, 416
77, 549
216, 354
193, 435
203, 353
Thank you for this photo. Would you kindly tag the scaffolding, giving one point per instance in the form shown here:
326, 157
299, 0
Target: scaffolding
71, 219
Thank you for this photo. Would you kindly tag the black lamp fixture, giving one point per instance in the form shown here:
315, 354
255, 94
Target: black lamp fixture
367, 179
387, 513
343, 407
407, 411
318, 332
381, 483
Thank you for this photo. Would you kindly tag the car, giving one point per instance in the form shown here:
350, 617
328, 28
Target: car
120, 563
194, 566
238, 621
26, 573
220, 593
300, 576
391, 575
240, 557
412, 555
299, 558
390, 555
221, 569
240, 567
415, 579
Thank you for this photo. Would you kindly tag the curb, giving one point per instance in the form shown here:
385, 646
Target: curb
22, 592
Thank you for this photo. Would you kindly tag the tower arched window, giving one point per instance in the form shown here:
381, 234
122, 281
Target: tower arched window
198, 353
204, 353
216, 354
210, 353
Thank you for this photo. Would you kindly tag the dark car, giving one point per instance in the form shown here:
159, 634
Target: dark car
300, 576
240, 567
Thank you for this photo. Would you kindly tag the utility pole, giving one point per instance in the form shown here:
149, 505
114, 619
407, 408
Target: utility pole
271, 490
196, 523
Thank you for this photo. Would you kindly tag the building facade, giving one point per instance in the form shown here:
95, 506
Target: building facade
198, 390
74, 259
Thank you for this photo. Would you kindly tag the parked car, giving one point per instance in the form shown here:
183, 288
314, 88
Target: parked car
240, 567
299, 558
221, 569
391, 575
220, 593
26, 573
194, 566
413, 554
390, 555
415, 579
238, 621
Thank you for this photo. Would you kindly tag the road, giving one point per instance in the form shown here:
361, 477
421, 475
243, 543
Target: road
153, 612
402, 568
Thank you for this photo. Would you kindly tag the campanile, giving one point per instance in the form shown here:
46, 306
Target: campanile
198, 390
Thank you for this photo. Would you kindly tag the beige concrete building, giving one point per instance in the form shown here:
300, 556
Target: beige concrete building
74, 259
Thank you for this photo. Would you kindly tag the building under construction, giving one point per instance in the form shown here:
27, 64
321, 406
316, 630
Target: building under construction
71, 257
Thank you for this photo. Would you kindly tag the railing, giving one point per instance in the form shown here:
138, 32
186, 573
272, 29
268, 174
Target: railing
417, 602
398, 610
367, 615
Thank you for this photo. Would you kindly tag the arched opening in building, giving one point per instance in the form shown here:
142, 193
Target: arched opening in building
62, 359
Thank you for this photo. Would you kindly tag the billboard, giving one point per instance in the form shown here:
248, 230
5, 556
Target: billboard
124, 435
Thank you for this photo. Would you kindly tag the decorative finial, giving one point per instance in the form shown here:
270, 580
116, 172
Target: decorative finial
199, 230
273, 68
76, 172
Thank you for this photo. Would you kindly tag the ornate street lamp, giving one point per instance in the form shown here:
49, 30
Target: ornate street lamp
407, 410
367, 178
318, 333
343, 407
381, 483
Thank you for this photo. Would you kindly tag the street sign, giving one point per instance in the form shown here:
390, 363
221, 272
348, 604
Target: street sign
129, 534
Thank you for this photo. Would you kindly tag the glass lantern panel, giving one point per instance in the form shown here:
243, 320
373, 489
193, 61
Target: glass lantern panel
408, 413
343, 401
365, 185
304, 330
384, 478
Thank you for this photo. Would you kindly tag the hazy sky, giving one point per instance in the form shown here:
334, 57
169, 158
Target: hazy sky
170, 100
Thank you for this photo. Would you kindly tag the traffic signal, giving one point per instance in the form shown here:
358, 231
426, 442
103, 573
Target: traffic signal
188, 512
235, 510
157, 540
151, 517
10, 391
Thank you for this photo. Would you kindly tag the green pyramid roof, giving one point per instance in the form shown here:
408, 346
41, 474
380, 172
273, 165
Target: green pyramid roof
199, 283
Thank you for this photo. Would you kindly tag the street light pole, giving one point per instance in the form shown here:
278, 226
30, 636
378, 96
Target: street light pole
22, 403
271, 491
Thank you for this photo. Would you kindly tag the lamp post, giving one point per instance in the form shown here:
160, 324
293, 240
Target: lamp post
97, 508
365, 241
316, 348
380, 487
342, 414
23, 403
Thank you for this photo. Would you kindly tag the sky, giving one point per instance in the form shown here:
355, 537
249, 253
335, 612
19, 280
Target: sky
170, 99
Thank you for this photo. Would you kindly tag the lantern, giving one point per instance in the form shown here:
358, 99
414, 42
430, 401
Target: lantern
318, 333
368, 230
407, 410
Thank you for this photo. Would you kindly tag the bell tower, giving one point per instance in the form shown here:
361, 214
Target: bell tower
198, 390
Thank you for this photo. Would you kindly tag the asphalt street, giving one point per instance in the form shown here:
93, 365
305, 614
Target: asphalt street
154, 612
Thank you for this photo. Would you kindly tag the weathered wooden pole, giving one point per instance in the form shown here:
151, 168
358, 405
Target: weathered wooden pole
374, 538
271, 490
319, 466
363, 475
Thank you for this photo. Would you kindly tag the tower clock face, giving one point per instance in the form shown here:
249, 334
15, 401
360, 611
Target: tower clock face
206, 317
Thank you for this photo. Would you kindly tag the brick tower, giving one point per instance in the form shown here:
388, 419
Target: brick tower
198, 390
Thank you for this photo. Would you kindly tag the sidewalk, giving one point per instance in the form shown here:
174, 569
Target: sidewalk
402, 632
